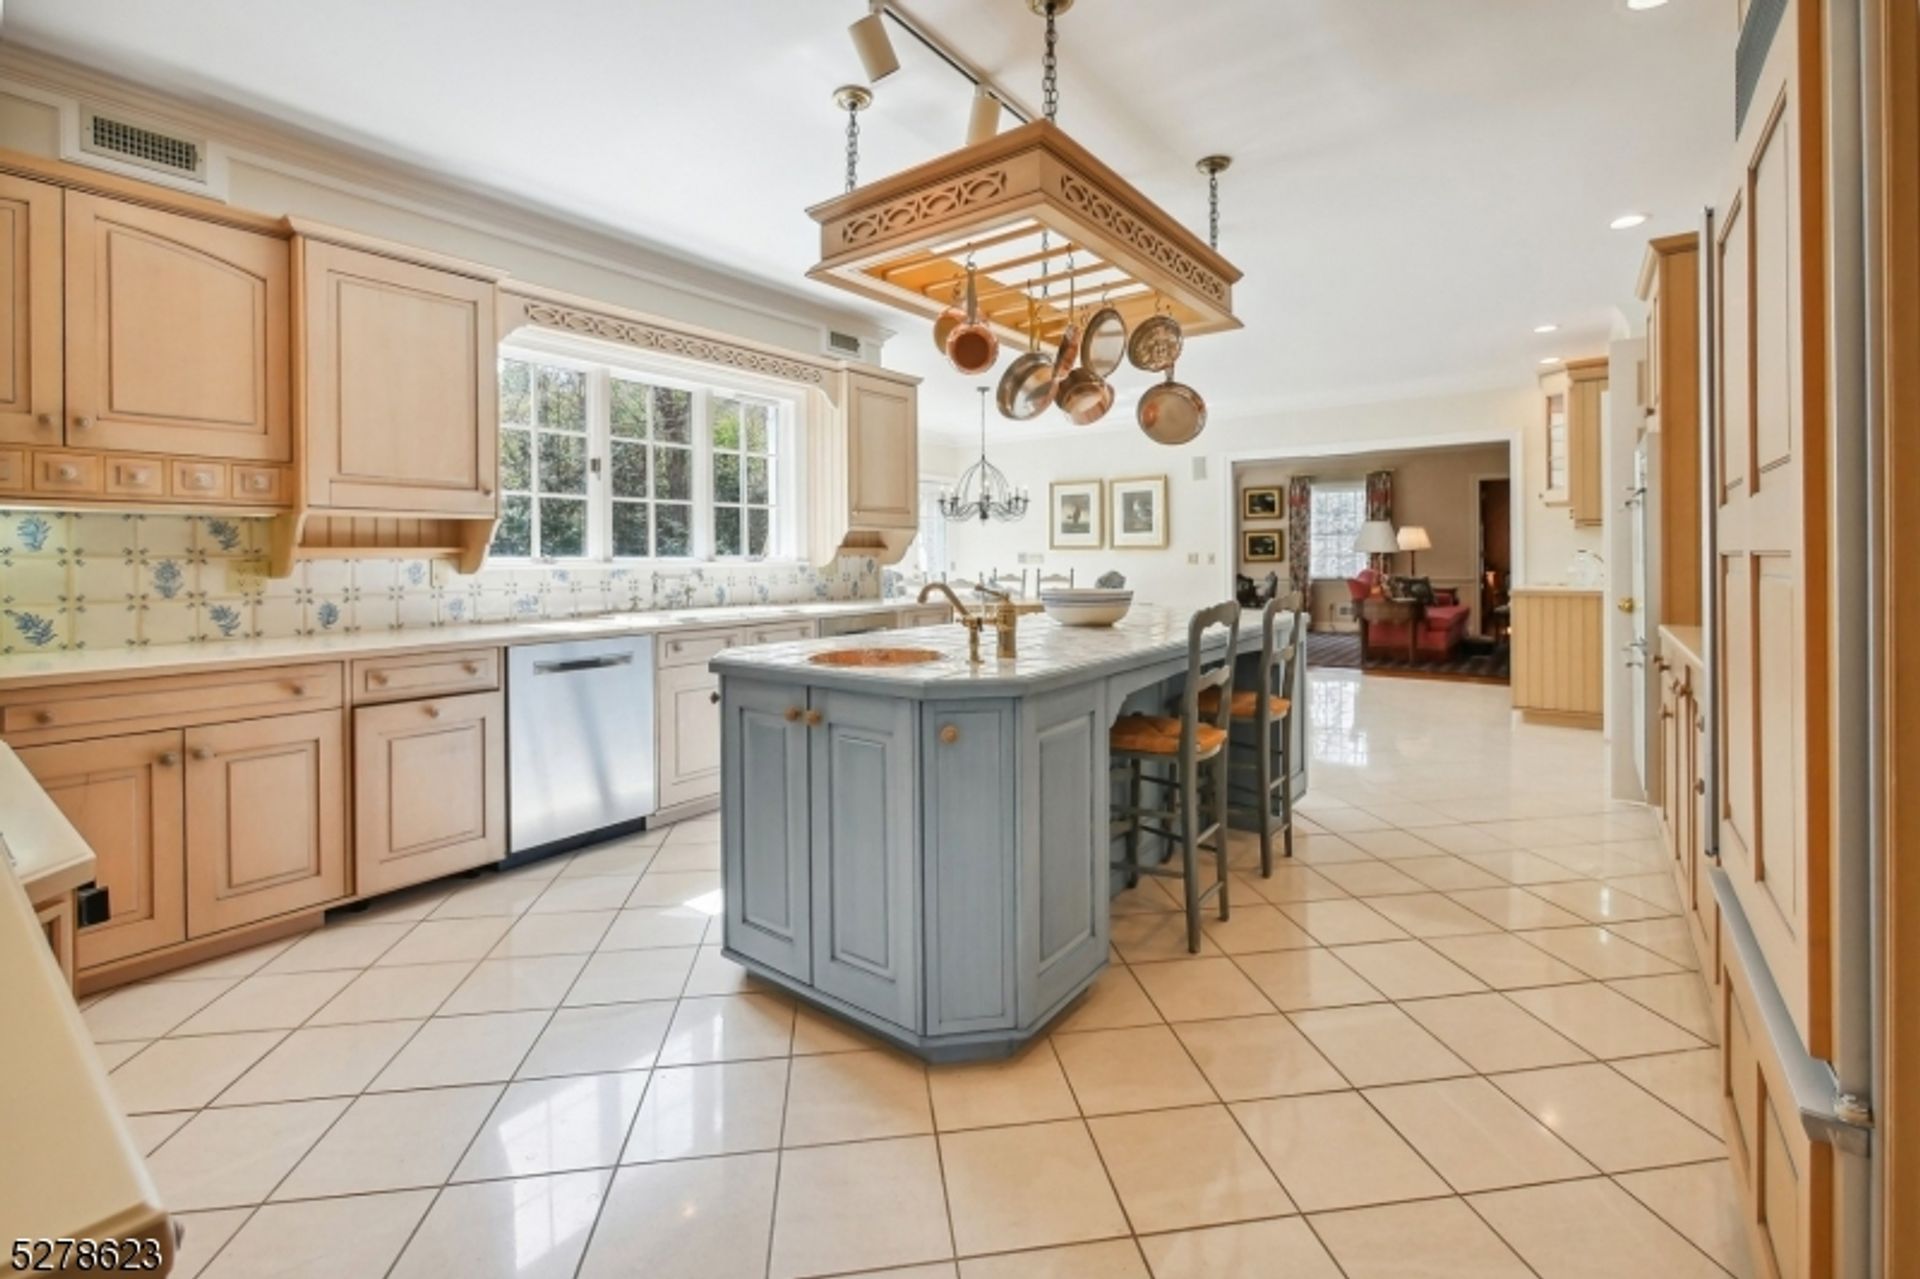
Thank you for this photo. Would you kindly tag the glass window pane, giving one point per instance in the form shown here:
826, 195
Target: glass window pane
563, 399
757, 480
514, 535
563, 463
630, 527
757, 428
672, 415
563, 526
726, 477
758, 524
673, 474
627, 408
726, 530
674, 530
516, 393
516, 460
726, 424
629, 469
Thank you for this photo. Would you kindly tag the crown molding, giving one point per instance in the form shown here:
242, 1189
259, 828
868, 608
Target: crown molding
292, 150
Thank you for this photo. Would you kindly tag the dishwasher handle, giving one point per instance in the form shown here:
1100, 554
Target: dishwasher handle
582, 664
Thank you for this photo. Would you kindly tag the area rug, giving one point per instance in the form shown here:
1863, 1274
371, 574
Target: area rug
1342, 649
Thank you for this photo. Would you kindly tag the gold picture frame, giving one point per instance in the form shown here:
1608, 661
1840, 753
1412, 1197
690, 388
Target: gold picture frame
1266, 503
1263, 546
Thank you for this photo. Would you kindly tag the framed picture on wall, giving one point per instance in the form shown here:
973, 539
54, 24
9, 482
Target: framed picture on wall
1268, 546
1139, 510
1261, 504
1075, 516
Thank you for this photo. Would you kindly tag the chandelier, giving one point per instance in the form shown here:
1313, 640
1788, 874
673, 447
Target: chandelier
984, 492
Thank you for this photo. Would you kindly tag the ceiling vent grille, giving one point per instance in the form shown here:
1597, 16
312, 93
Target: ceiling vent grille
116, 138
844, 344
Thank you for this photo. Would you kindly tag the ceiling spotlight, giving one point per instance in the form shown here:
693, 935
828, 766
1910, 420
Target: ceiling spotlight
1546, 328
870, 41
1638, 5
983, 118
1551, 359
1627, 221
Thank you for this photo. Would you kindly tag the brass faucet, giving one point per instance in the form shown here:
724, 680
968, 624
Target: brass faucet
1005, 619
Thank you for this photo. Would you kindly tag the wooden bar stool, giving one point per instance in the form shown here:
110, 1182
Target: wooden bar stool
1186, 741
1266, 710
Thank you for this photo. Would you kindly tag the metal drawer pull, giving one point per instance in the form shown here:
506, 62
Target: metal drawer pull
950, 733
202, 752
583, 664
169, 758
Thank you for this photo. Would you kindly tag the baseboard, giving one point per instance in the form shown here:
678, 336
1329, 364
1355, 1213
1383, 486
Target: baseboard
185, 954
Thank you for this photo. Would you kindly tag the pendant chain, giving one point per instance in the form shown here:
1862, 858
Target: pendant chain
853, 147
1050, 73
1213, 209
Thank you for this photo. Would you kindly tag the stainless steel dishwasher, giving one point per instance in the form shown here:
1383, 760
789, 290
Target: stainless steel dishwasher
579, 740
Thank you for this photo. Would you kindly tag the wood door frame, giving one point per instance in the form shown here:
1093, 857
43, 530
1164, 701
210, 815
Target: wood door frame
1897, 622
1478, 482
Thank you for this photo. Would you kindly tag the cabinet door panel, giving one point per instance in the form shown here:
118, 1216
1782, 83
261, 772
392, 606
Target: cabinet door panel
123, 794
1063, 780
865, 854
967, 760
30, 306
883, 459
688, 726
177, 334
403, 406
430, 795
266, 810
764, 828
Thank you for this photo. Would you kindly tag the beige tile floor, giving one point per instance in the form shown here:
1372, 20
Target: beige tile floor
1459, 1036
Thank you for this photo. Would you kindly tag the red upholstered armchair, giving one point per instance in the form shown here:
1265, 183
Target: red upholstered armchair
1439, 630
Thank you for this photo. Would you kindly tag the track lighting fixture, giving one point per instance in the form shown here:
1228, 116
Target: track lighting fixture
875, 47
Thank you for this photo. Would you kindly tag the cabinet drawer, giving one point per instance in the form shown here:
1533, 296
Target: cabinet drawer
780, 634
697, 648
430, 793
199, 481
136, 477
66, 473
13, 470
390, 679
90, 710
258, 484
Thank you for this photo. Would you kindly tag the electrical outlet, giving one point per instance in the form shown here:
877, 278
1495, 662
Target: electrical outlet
1212, 558
1193, 557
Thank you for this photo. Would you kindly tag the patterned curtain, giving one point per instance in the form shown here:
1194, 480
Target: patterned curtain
1380, 507
1300, 537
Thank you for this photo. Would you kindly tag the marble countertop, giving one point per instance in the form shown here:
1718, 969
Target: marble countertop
25, 670
46, 853
1050, 656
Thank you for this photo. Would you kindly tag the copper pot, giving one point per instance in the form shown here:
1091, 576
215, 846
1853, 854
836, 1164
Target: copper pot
950, 319
1084, 396
1172, 412
1155, 345
972, 347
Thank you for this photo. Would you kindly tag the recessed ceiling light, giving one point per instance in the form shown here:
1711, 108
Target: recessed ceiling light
1627, 221
1546, 328
1645, 4
1551, 359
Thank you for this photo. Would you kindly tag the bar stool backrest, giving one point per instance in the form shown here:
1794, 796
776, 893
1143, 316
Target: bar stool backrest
1202, 676
1280, 647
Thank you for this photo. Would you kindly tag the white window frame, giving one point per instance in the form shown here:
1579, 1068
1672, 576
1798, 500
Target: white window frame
930, 517
601, 361
1331, 487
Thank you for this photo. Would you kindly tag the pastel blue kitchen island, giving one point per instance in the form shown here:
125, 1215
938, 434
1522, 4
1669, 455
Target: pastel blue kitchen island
924, 849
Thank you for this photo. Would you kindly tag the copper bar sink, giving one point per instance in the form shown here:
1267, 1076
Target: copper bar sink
872, 657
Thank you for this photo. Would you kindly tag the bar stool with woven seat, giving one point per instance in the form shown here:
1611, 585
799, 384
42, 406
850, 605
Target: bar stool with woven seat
1263, 709
1186, 741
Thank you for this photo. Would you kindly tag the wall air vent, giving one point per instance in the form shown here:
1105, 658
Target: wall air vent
114, 140
845, 344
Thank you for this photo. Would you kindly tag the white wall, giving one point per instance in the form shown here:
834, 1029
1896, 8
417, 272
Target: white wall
1197, 567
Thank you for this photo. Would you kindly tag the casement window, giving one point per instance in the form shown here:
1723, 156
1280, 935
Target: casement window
606, 461
1338, 512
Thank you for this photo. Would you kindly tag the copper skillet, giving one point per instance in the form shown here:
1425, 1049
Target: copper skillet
1026, 388
1172, 412
1085, 395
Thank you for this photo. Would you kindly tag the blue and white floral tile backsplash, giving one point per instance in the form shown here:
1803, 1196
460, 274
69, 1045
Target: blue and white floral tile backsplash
111, 580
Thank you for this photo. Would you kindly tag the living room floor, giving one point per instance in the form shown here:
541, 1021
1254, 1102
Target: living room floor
1461, 1034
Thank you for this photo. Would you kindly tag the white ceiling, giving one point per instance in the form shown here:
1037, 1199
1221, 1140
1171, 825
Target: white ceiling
1417, 183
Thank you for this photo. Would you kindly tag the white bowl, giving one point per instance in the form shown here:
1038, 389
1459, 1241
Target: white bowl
1086, 605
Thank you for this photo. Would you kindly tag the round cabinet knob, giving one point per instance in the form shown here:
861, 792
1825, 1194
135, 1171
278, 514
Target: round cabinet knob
43, 717
433, 712
169, 758
793, 714
66, 471
949, 733
202, 752
44, 419
714, 697
83, 422
815, 719
257, 482
377, 680
471, 668
1699, 785
298, 690
486, 490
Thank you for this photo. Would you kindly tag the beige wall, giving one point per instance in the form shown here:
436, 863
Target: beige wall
1434, 488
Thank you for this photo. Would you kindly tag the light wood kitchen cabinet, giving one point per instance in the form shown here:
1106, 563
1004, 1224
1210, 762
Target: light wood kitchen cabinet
266, 818
1571, 471
176, 334
124, 795
31, 337
687, 726
883, 452
429, 789
402, 399
1670, 288
1680, 790
1558, 659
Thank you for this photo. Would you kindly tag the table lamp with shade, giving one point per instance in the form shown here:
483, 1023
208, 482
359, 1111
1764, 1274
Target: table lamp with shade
1413, 540
1377, 538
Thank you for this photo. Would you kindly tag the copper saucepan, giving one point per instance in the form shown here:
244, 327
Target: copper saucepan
972, 347
1171, 412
